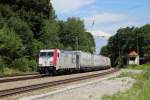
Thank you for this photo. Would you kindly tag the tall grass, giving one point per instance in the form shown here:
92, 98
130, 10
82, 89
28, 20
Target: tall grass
140, 90
140, 67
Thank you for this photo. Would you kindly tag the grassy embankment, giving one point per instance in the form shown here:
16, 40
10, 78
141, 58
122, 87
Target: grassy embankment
140, 90
8, 71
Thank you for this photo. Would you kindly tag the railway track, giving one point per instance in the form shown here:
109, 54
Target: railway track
15, 75
10, 92
19, 77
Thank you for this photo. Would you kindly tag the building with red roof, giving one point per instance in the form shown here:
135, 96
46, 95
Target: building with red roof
133, 58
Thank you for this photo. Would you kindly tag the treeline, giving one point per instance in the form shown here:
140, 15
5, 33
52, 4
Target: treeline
26, 26
126, 40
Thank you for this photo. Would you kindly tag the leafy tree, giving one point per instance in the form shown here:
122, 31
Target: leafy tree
34, 12
31, 11
10, 44
126, 40
90, 42
35, 47
6, 11
104, 51
73, 35
72, 31
50, 34
21, 28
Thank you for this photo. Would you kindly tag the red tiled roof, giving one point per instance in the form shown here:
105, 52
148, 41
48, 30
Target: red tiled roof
133, 54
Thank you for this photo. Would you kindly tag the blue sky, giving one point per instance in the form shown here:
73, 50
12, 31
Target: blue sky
109, 15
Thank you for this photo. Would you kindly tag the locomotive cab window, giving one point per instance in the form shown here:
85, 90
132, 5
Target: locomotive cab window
42, 54
46, 54
50, 54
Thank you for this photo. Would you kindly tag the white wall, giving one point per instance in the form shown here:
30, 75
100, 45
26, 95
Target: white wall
135, 62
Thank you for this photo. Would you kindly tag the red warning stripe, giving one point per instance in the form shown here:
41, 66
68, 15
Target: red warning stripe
55, 57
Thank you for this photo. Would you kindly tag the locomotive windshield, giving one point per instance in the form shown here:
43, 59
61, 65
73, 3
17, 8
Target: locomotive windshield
50, 54
42, 54
46, 54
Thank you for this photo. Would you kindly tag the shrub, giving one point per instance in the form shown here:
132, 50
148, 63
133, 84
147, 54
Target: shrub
9, 71
11, 46
33, 65
22, 64
2, 64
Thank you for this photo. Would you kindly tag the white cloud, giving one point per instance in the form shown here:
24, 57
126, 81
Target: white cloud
102, 23
65, 6
104, 18
106, 23
99, 33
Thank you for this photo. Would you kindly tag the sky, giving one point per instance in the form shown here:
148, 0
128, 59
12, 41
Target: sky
107, 15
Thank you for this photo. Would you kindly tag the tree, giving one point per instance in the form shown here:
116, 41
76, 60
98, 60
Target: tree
50, 34
90, 42
71, 31
74, 37
104, 51
21, 28
34, 12
126, 40
11, 45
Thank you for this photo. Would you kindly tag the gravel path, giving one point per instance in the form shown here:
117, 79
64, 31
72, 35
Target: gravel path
92, 90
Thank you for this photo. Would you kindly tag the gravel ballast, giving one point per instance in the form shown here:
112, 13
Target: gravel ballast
22, 83
92, 90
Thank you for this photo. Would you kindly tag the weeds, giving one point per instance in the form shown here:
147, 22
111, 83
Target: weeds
140, 90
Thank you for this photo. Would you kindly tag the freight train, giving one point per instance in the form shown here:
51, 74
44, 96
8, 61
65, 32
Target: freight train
52, 60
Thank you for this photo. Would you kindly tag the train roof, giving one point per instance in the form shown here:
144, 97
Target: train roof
47, 50
89, 53
52, 50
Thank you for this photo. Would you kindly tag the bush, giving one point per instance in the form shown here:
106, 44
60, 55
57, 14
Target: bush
22, 64
11, 46
33, 65
9, 71
2, 64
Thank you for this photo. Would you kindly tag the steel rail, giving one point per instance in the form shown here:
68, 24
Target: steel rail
15, 75
19, 78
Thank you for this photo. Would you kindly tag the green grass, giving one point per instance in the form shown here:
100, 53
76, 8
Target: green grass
9, 71
140, 90
140, 67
